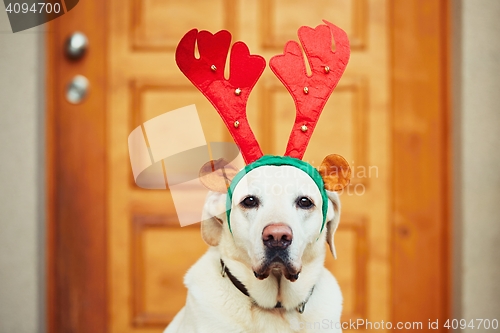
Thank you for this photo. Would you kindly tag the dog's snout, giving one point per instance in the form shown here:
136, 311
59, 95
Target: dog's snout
277, 236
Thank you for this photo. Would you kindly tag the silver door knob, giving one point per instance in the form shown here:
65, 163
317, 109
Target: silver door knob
76, 45
77, 89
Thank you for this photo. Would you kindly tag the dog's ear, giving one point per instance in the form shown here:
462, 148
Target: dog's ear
213, 217
217, 175
333, 219
335, 172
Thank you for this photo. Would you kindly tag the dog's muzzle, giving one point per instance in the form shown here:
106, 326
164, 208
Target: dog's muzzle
277, 238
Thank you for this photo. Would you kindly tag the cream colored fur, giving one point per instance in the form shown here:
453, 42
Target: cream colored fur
215, 305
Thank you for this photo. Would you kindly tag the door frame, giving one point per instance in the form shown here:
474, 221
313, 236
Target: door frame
77, 249
421, 180
77, 292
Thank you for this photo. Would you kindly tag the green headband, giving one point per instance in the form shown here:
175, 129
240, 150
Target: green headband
278, 161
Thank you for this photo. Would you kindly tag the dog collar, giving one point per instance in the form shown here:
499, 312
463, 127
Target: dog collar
278, 161
241, 287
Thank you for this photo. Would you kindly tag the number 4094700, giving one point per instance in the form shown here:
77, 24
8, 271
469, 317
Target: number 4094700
36, 8
472, 324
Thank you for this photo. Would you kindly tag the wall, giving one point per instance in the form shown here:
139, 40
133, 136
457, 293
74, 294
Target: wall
476, 87
21, 180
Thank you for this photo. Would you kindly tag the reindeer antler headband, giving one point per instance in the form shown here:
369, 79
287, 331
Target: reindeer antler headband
310, 92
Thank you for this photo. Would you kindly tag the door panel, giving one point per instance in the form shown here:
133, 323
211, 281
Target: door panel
145, 238
157, 25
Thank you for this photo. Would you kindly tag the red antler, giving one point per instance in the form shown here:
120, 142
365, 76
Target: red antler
230, 96
310, 93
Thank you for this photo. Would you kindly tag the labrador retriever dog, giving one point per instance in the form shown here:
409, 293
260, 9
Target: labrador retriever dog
264, 270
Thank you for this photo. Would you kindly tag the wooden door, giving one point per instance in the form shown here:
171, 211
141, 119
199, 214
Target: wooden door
117, 252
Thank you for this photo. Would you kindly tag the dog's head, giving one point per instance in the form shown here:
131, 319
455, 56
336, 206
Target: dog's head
278, 217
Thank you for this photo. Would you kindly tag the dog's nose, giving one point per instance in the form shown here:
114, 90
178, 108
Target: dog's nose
277, 236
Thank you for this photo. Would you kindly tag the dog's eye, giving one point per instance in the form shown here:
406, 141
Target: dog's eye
305, 203
250, 202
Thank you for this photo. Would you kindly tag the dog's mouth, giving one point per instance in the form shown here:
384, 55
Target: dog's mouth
277, 263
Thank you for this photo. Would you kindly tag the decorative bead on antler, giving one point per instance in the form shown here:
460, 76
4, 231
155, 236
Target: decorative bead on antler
311, 93
229, 97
